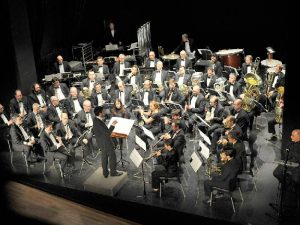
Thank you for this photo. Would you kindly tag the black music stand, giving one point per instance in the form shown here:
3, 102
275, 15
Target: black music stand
154, 85
213, 92
136, 103
174, 106
147, 72
227, 95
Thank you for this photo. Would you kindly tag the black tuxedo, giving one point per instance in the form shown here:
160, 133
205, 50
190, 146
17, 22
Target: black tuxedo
186, 79
217, 66
105, 70
127, 92
52, 114
237, 88
4, 129
187, 63
108, 38
105, 143
148, 61
82, 119
69, 104
15, 108
181, 46
164, 76
151, 95
31, 122
64, 89
94, 99
199, 105
138, 80
242, 119
67, 67
211, 83
32, 97
178, 141
86, 82
61, 132
227, 179
177, 97
116, 68
244, 69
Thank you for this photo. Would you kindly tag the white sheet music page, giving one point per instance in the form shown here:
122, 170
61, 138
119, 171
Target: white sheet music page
148, 133
140, 142
206, 139
136, 158
204, 149
123, 126
195, 162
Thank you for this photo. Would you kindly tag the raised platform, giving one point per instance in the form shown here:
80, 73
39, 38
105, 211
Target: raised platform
107, 186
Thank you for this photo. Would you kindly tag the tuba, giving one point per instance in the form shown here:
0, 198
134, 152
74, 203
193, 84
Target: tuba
219, 87
86, 93
252, 91
278, 106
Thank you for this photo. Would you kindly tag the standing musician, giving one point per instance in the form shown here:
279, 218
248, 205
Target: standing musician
293, 151
35, 120
183, 60
168, 164
147, 94
105, 143
228, 174
196, 105
69, 134
152, 121
151, 61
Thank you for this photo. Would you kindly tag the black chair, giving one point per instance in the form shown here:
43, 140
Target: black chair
229, 191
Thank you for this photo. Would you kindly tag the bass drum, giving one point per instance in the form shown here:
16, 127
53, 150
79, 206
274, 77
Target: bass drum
231, 57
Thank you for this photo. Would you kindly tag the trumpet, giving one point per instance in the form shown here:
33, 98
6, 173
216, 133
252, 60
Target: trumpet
154, 153
161, 138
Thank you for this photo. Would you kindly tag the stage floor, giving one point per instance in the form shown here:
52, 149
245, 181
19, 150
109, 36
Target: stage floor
252, 210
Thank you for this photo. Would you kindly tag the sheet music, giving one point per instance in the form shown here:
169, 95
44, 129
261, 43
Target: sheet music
202, 120
195, 162
140, 142
123, 126
206, 139
148, 133
204, 149
136, 158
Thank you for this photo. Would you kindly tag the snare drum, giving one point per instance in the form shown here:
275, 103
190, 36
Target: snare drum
231, 57
272, 70
270, 62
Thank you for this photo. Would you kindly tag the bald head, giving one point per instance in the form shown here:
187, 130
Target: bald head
59, 59
295, 135
237, 104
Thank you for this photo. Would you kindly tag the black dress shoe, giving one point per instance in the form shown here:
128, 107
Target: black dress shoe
116, 174
106, 175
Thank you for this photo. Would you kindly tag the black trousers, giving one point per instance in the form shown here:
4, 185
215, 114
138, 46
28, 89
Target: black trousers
108, 155
271, 126
292, 175
160, 171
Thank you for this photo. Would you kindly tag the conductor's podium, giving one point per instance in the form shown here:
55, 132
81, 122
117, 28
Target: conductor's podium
107, 186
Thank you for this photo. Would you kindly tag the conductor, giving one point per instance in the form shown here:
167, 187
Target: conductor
105, 143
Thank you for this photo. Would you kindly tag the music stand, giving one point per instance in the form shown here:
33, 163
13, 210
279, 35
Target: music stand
227, 96
147, 72
154, 85
173, 106
135, 102
213, 92
260, 106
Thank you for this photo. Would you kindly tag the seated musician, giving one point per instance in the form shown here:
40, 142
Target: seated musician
84, 122
233, 88
196, 105
134, 78
172, 94
168, 164
69, 134
38, 95
152, 121
175, 115
74, 102
35, 120
182, 77
292, 155
120, 65
184, 61
60, 90
159, 76
19, 104
118, 110
61, 66
236, 143
247, 67
209, 79
101, 68
229, 172
53, 146
124, 94
22, 139
5, 124
55, 110
229, 124
147, 94
90, 81
151, 61
215, 114
99, 96
215, 65
176, 134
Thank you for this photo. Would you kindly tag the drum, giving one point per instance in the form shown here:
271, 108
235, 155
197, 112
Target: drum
272, 70
270, 63
231, 57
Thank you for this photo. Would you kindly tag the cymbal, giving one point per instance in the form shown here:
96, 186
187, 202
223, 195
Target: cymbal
171, 56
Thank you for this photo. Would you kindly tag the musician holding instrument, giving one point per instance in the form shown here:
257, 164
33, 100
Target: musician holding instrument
209, 79
292, 154
101, 68
134, 78
19, 104
147, 94
35, 120
278, 114
61, 66
172, 94
233, 88
175, 116
151, 61
247, 67
183, 78
168, 164
99, 96
215, 65
74, 102
159, 76
183, 60
186, 44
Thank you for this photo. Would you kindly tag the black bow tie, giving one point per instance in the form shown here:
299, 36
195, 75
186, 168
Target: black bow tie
182, 59
99, 93
20, 101
92, 81
74, 98
100, 66
121, 63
